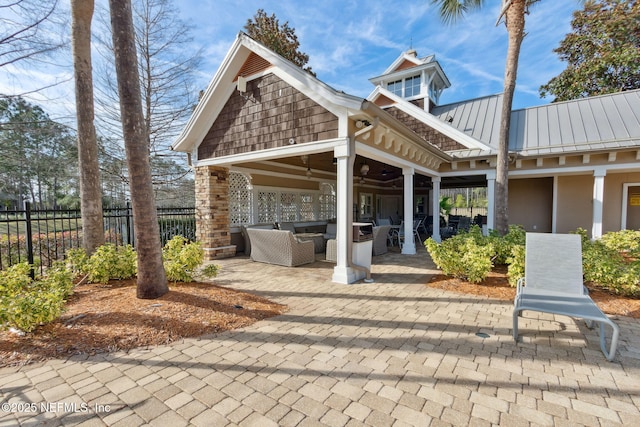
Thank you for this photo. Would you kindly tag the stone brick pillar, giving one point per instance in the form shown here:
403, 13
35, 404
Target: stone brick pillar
212, 212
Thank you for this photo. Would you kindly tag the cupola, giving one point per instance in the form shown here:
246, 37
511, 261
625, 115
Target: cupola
418, 80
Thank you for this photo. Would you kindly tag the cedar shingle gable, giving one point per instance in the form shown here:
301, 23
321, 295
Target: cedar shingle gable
267, 116
426, 132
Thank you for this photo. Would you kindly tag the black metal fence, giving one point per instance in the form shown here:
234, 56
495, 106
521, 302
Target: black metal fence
40, 237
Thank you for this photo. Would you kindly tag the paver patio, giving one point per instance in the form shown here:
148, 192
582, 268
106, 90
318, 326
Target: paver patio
392, 352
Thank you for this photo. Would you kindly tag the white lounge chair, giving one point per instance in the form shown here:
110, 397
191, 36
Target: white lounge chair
553, 283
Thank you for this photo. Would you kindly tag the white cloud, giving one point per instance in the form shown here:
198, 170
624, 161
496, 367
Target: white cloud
350, 41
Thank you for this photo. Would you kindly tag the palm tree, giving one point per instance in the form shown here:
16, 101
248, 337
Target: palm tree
152, 280
513, 12
89, 168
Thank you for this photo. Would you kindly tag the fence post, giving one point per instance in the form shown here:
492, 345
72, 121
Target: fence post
129, 213
27, 216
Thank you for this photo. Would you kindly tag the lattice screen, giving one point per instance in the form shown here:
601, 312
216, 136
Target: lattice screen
267, 206
327, 201
240, 200
288, 207
307, 207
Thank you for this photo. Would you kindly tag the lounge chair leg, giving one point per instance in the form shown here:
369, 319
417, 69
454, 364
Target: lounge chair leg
516, 314
611, 354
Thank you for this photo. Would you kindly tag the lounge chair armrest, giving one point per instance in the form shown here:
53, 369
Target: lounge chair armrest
519, 285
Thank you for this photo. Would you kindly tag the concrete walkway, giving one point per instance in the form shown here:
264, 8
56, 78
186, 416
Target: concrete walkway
389, 353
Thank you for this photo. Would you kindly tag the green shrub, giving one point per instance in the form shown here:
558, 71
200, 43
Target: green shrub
26, 303
608, 268
515, 269
624, 241
112, 262
462, 256
210, 270
182, 258
611, 263
77, 261
504, 245
471, 255
107, 262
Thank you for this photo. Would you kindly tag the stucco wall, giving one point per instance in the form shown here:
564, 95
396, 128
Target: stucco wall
613, 198
531, 203
575, 207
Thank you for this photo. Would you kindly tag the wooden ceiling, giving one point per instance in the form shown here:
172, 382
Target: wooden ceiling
380, 172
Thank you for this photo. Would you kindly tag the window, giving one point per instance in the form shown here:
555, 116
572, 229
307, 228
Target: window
366, 205
395, 87
412, 86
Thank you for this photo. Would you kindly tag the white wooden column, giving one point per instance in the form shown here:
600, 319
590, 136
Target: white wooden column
436, 209
409, 246
345, 155
491, 200
598, 202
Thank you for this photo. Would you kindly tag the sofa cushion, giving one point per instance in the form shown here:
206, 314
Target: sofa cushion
331, 231
287, 226
311, 228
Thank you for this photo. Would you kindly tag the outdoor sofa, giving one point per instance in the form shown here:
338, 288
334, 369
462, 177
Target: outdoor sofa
279, 247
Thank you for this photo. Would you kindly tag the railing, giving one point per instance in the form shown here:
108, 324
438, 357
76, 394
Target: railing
40, 237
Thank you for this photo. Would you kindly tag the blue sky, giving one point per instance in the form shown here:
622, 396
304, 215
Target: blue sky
350, 41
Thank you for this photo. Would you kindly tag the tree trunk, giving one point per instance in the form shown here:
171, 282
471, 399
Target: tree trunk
152, 281
89, 168
514, 20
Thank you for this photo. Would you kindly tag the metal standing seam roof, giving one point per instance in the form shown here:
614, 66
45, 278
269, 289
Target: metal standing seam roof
602, 122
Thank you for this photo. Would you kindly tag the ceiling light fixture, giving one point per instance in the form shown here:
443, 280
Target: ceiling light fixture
365, 168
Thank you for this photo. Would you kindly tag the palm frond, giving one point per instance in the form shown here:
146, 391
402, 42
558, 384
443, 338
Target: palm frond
452, 10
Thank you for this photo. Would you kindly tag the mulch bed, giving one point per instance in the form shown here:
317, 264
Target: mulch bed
496, 286
105, 318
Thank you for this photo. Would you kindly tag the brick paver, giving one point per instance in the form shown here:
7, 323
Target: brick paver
392, 352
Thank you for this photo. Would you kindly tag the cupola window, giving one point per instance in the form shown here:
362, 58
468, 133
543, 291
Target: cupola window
406, 88
412, 86
395, 87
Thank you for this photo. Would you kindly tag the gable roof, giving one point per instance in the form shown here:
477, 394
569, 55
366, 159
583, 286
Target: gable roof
469, 141
605, 122
249, 58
